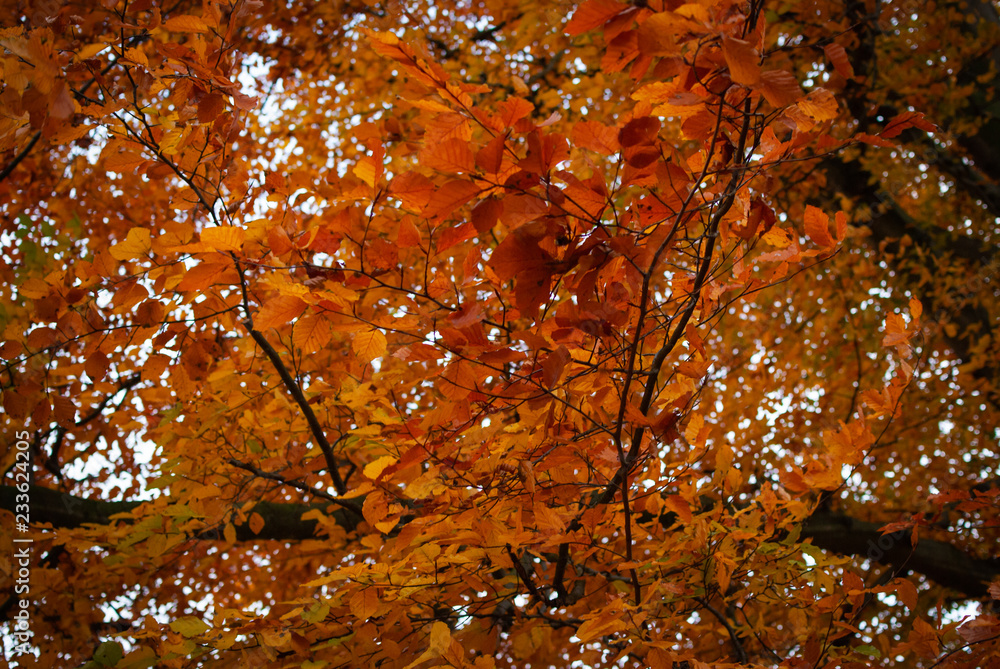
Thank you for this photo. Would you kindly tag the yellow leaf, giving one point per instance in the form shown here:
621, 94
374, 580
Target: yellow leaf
598, 627
373, 469
189, 626
366, 170
693, 428
90, 51
136, 244
224, 238
256, 523
34, 289
777, 237
369, 344
386, 526
137, 56
440, 638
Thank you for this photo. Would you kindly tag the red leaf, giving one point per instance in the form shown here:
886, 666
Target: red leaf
552, 368
486, 213
639, 131
490, 157
909, 119
837, 56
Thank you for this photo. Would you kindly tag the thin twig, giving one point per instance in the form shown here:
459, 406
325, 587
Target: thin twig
350, 505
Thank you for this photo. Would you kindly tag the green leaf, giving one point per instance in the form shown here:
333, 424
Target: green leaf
108, 654
868, 650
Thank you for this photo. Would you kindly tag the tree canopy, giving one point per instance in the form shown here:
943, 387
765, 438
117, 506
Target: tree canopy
499, 333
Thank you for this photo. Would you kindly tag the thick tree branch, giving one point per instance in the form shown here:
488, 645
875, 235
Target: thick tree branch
936, 560
829, 530
282, 522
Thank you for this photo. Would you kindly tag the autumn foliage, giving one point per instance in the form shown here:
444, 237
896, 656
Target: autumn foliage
501, 333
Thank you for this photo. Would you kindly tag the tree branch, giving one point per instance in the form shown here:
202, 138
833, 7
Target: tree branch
889, 223
282, 521
350, 505
300, 399
936, 560
829, 530
21, 156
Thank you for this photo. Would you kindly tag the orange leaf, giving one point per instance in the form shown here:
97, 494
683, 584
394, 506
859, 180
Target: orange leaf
743, 61
513, 110
256, 523
364, 604
311, 333
64, 411
820, 105
552, 368
202, 276
456, 235
223, 238
369, 344
599, 626
490, 157
779, 87
895, 330
486, 213
452, 156
449, 198
818, 227
901, 122
277, 311
210, 107
96, 365
185, 24
596, 136
907, 593
641, 130
137, 243
593, 14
